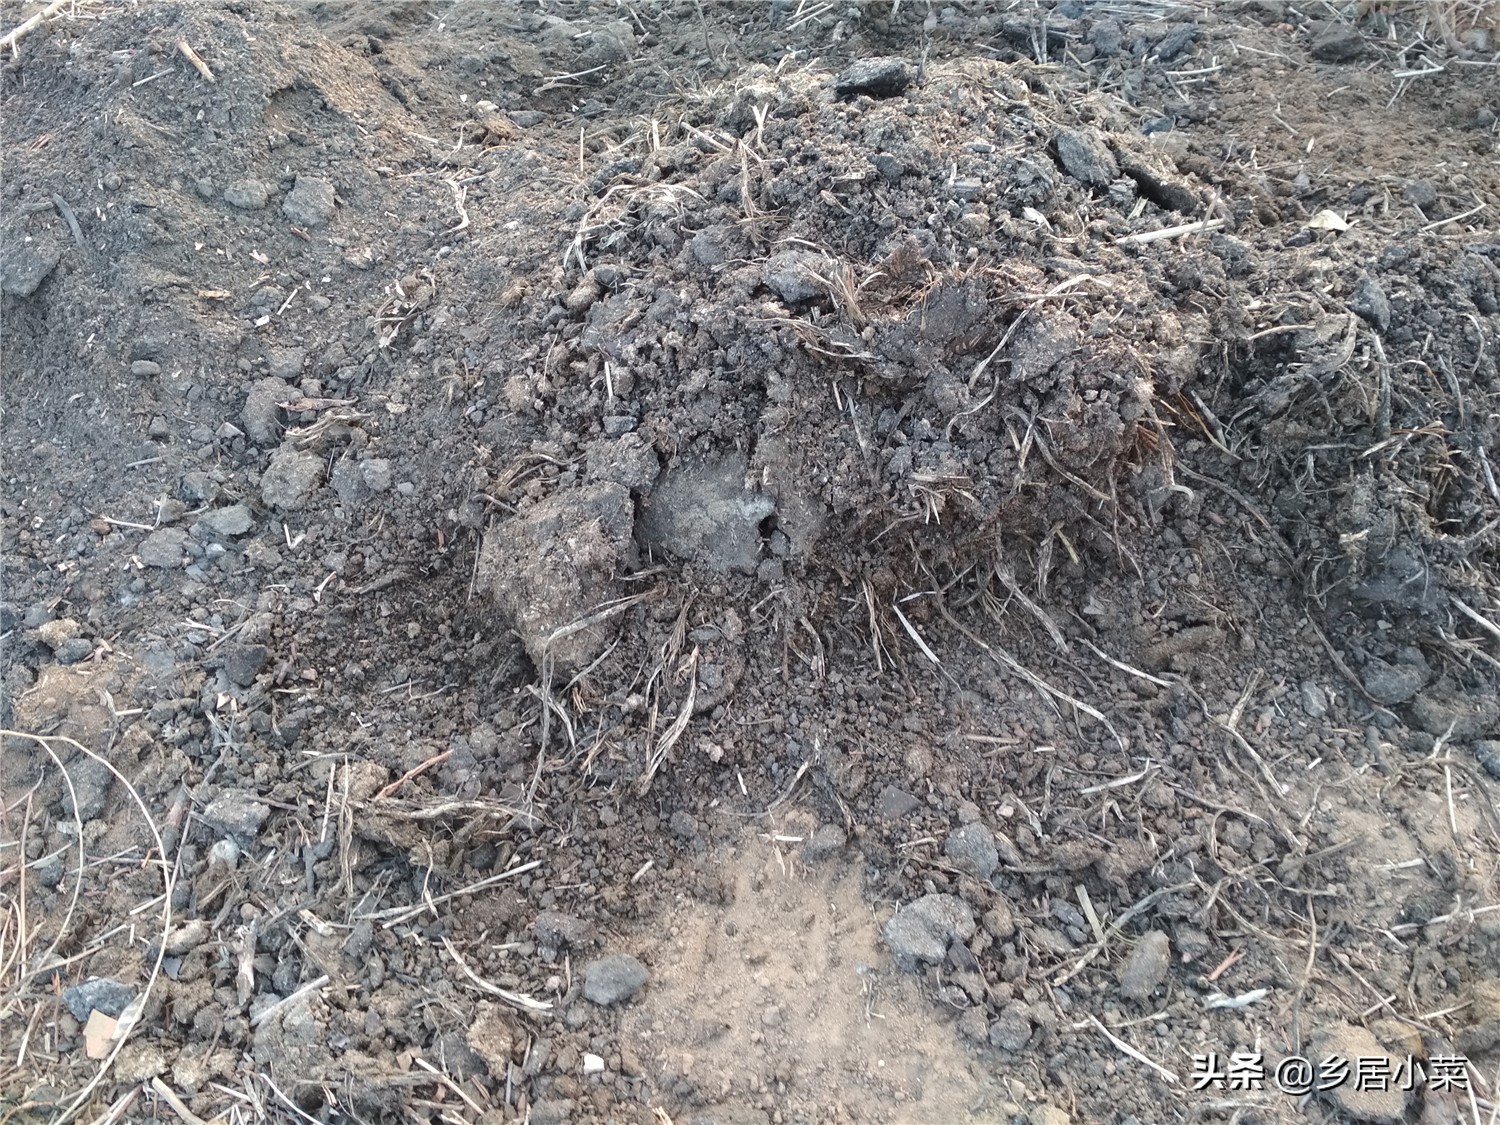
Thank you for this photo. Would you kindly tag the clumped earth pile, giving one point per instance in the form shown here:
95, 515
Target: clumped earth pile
746, 563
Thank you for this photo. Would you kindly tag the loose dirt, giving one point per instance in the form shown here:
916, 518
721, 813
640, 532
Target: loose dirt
748, 563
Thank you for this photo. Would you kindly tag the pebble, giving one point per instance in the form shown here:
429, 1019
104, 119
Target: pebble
1370, 302
236, 813
226, 523
293, 476
556, 930
261, 416
919, 932
1146, 966
1314, 701
891, 803
286, 363
91, 785
972, 848
100, 994
683, 825
145, 368
73, 650
247, 195
1391, 683
1337, 43
309, 203
878, 77
1084, 157
242, 663
1011, 1030
165, 547
1346, 1042
592, 1064
613, 979
1488, 753
825, 843
376, 474
794, 274
1000, 920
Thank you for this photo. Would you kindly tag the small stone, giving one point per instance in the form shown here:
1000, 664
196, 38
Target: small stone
165, 547
261, 416
73, 650
54, 633
1391, 683
1357, 1101
1011, 1030
24, 269
1085, 157
1337, 43
286, 363
1146, 967
247, 195
242, 663
223, 856
1488, 753
226, 523
376, 474
293, 476
796, 275
972, 848
1370, 302
879, 78
919, 932
892, 803
309, 203
1421, 193
825, 843
145, 368
584, 294
592, 1064
613, 979
92, 782
683, 825
97, 995
1047, 1115
1314, 701
236, 813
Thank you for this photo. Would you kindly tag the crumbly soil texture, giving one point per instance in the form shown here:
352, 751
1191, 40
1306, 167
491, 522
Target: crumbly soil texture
749, 563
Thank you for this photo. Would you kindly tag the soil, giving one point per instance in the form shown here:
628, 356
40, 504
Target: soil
726, 563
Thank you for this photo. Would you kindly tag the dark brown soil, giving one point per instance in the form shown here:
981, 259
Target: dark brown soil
489, 489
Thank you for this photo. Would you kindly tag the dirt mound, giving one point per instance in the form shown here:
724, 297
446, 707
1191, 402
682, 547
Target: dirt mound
709, 563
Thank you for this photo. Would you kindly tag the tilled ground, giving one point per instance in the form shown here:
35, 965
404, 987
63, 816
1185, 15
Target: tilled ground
748, 563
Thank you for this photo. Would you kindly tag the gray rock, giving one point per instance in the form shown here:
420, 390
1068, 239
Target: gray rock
797, 275
291, 479
1146, 967
613, 979
237, 813
1337, 43
554, 566
1086, 158
25, 267
683, 825
1314, 700
920, 931
1460, 716
376, 474
879, 78
557, 931
145, 368
9, 617
552, 1111
226, 523
74, 649
1421, 193
349, 483
1487, 752
99, 994
892, 803
92, 782
166, 547
700, 512
261, 417
286, 363
1391, 683
1000, 919
1369, 301
1011, 1030
1352, 1100
825, 843
242, 663
309, 203
247, 195
972, 848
